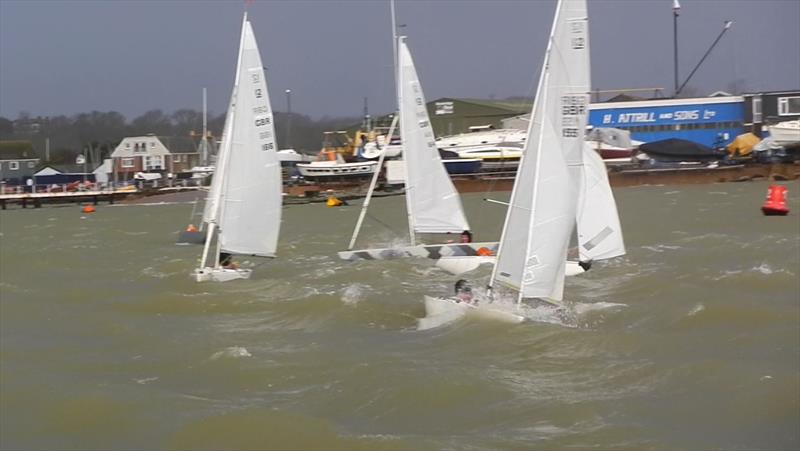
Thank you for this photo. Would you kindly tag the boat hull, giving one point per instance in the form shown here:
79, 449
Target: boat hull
462, 165
785, 133
221, 274
337, 171
191, 237
448, 306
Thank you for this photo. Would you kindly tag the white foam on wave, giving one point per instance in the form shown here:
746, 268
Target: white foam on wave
354, 293
661, 248
696, 309
232, 352
763, 268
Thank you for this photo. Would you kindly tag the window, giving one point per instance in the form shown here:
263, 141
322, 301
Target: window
30, 164
127, 162
13, 165
152, 144
127, 145
153, 162
788, 106
757, 109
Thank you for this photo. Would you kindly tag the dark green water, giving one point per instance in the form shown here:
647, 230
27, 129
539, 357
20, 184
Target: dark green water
106, 343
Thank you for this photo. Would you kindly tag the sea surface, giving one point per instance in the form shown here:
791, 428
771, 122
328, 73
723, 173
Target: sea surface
107, 344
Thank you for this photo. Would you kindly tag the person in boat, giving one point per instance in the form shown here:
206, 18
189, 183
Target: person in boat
463, 291
226, 261
191, 228
466, 236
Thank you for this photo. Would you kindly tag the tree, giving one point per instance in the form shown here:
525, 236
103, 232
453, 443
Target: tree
153, 121
6, 128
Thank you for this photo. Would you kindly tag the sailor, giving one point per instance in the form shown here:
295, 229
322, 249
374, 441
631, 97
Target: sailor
466, 236
463, 291
226, 261
191, 228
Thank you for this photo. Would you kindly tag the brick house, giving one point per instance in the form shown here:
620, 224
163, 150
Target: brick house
153, 154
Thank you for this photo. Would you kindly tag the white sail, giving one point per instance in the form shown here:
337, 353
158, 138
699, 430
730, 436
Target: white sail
434, 205
541, 215
250, 211
211, 209
599, 231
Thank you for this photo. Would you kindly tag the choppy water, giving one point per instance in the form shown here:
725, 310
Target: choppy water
106, 343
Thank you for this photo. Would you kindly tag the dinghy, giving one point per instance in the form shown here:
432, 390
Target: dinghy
544, 206
432, 203
244, 204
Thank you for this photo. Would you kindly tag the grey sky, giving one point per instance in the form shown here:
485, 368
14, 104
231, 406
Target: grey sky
66, 56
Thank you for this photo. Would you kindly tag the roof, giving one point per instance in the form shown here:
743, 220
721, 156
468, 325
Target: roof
625, 98
151, 145
511, 105
666, 102
68, 168
16, 150
179, 144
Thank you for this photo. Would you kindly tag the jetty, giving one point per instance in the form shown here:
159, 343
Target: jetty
504, 181
37, 199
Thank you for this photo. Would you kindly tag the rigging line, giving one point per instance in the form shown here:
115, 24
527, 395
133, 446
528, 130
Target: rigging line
383, 223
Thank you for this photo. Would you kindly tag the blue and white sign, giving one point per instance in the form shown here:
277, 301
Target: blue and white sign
711, 122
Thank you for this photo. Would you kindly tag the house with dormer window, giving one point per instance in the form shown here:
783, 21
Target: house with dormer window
152, 154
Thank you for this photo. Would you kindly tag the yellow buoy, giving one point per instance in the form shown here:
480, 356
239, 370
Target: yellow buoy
333, 202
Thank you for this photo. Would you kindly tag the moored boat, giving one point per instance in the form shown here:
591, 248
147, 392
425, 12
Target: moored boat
784, 133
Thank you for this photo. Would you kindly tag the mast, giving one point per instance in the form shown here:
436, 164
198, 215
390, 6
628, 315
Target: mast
406, 148
371, 189
205, 130
539, 101
225, 151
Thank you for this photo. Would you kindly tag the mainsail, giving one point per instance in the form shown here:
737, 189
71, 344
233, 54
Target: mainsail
542, 212
433, 203
599, 230
250, 211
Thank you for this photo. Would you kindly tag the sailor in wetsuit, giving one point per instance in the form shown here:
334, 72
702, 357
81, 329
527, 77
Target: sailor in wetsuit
463, 292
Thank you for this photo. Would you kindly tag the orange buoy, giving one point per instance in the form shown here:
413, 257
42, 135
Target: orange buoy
87, 209
775, 205
484, 252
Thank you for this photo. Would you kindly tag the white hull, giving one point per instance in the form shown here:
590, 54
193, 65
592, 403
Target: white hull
451, 306
371, 151
327, 169
461, 265
493, 157
785, 133
221, 274
432, 251
482, 138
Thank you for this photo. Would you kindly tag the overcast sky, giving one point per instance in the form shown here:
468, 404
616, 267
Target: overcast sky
68, 56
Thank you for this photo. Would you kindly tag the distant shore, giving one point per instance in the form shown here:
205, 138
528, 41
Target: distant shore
498, 182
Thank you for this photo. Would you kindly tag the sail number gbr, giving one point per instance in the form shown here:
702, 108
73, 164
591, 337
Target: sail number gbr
573, 108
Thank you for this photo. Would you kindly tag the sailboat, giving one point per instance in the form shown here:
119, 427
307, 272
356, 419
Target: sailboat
432, 203
556, 183
244, 203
